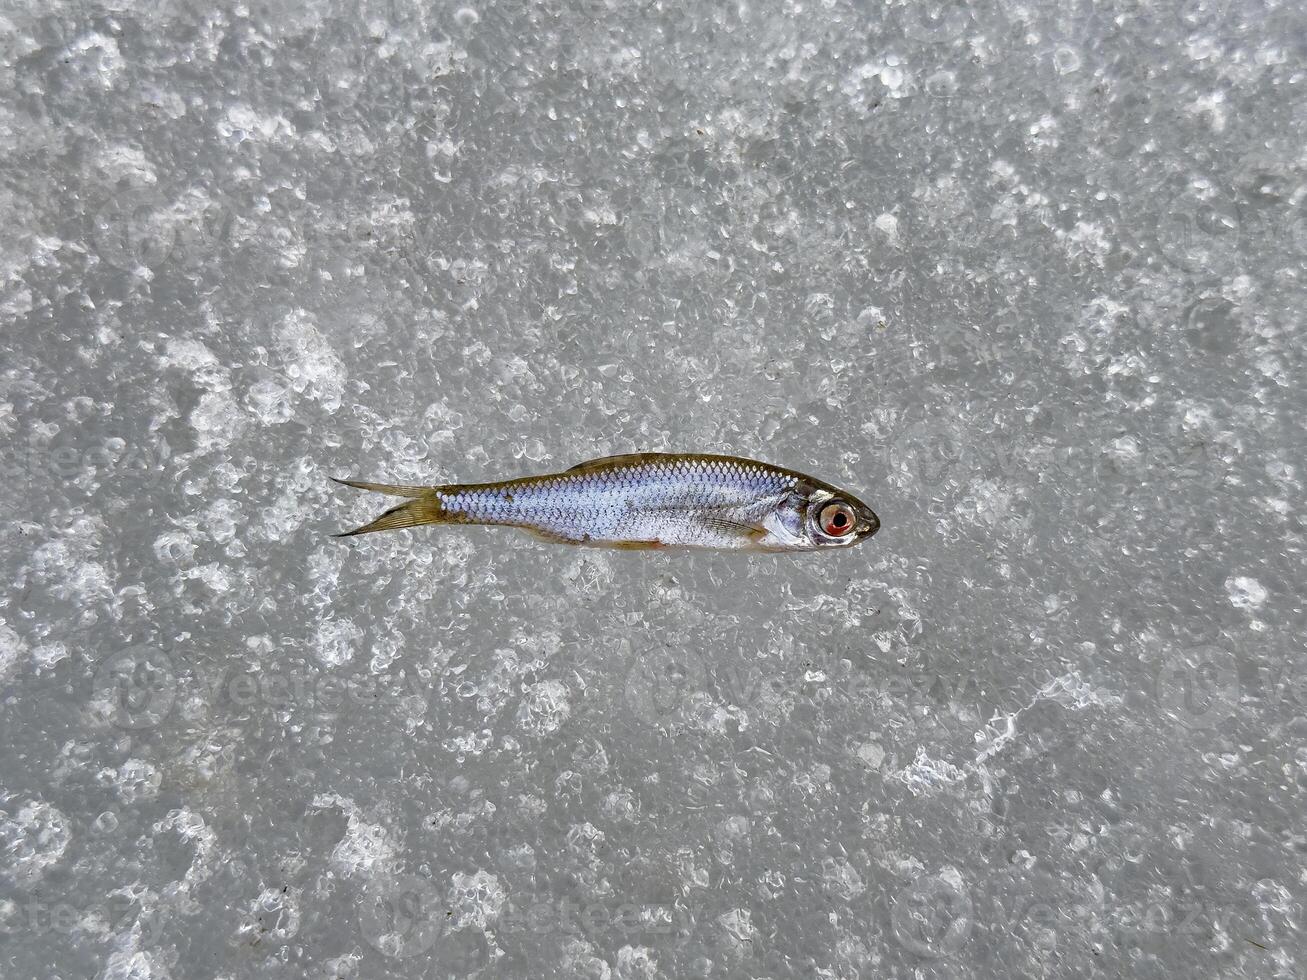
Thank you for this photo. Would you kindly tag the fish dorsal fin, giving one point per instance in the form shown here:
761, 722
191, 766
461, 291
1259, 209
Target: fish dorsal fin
603, 462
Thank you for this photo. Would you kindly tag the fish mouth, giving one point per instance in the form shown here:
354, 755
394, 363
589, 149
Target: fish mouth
869, 525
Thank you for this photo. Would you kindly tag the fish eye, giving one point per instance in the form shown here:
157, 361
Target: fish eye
836, 519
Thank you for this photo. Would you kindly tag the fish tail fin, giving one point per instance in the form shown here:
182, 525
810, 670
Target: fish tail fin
395, 490
424, 508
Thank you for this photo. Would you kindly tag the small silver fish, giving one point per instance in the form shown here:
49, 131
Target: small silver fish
648, 500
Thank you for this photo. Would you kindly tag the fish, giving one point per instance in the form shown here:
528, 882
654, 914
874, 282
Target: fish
646, 500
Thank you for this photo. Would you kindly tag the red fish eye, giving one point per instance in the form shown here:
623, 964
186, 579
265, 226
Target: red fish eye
836, 520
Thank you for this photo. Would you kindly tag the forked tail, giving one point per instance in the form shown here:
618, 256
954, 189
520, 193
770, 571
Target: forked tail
424, 507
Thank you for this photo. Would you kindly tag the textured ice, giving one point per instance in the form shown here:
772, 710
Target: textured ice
1027, 277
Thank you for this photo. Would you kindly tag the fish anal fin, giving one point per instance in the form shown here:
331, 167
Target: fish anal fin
415, 513
553, 537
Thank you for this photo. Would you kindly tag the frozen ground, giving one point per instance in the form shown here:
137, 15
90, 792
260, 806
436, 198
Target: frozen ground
1027, 277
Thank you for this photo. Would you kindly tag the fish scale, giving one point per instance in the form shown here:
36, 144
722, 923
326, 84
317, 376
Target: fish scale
642, 500
653, 497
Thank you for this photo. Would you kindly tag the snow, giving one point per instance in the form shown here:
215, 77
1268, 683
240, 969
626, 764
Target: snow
1028, 278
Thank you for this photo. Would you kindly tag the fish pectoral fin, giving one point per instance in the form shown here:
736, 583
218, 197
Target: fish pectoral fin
636, 545
729, 526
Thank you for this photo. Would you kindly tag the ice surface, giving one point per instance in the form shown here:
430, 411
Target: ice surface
1029, 278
